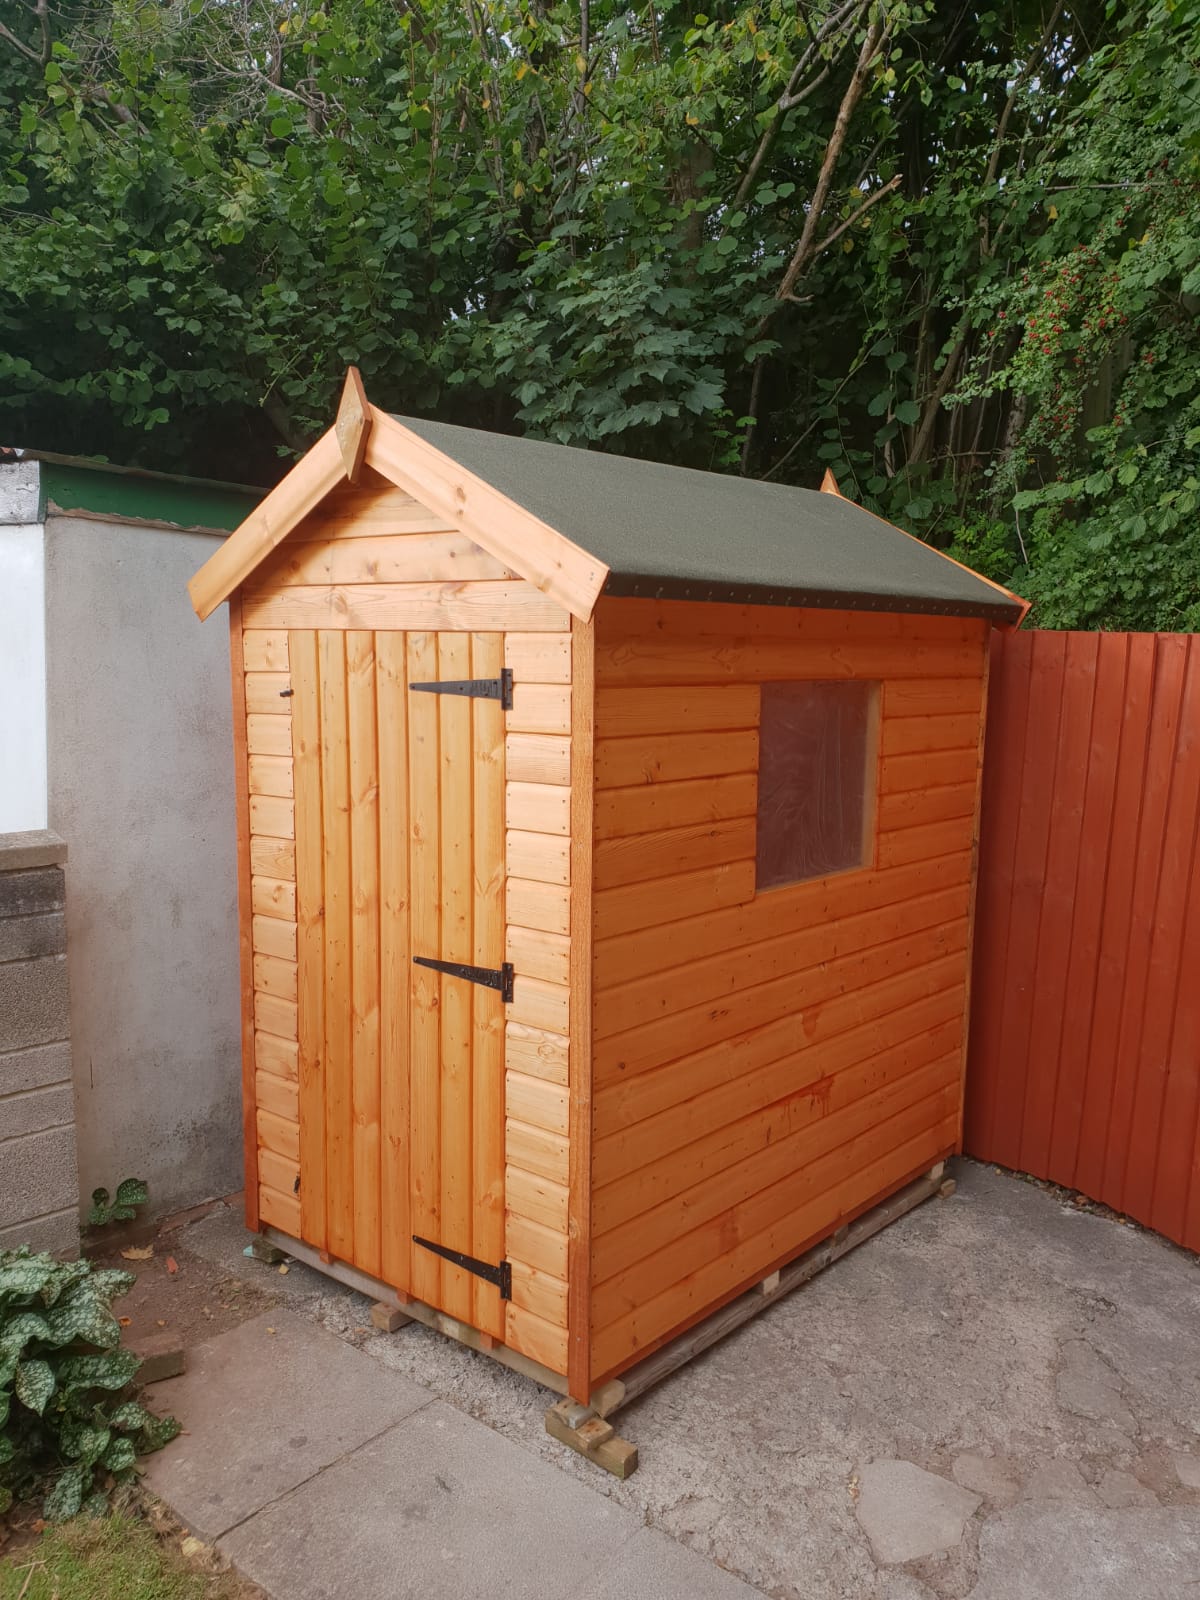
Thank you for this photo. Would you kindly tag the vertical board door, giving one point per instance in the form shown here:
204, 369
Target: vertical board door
400, 853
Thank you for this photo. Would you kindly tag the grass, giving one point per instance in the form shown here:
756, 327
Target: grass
110, 1558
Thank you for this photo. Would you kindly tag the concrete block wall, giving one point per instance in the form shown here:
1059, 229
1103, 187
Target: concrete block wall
39, 1182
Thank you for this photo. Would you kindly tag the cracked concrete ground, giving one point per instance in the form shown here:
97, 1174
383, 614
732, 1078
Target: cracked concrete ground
998, 1398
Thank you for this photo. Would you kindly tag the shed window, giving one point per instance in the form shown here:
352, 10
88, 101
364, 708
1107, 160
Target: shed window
816, 779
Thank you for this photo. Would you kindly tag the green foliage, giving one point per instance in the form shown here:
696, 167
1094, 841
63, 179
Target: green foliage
961, 272
131, 1193
63, 1420
1103, 348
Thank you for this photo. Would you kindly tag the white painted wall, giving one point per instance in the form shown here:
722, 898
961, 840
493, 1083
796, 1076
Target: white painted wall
22, 652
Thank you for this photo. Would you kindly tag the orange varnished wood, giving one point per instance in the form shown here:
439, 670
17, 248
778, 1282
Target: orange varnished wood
847, 1033
765, 1063
650, 1044
618, 617
872, 1176
802, 1130
488, 1021
361, 729
425, 1182
579, 1125
455, 1068
337, 1076
693, 1080
395, 964
819, 904
308, 896
755, 962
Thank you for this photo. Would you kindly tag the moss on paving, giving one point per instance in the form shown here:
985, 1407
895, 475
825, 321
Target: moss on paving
101, 1559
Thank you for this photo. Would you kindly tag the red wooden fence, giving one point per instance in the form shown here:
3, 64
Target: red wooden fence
1084, 1064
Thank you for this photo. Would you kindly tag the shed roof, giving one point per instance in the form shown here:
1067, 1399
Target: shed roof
578, 523
683, 534
78, 484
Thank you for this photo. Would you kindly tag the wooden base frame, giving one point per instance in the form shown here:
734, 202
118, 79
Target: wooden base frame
618, 1392
418, 1311
586, 1429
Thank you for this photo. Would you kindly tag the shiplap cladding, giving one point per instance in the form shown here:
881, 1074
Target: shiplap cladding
765, 1065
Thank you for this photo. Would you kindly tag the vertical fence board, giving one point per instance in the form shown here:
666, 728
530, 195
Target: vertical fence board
1037, 773
1074, 674
1085, 1035
1179, 1153
1004, 754
1130, 1086
1107, 665
1115, 917
1168, 926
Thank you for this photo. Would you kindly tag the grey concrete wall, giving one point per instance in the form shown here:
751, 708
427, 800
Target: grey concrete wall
39, 1186
141, 786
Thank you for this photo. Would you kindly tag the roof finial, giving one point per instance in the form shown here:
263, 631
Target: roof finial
353, 423
829, 484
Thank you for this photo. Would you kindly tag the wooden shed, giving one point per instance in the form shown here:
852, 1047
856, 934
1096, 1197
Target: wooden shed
606, 846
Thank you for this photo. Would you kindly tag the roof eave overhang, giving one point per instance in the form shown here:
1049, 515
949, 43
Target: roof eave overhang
999, 612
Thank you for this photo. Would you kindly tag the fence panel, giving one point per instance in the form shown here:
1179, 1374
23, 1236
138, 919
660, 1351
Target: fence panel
1084, 1063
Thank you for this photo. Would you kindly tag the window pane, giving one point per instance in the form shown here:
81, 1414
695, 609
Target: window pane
812, 779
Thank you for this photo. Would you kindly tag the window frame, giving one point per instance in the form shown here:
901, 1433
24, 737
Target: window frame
872, 779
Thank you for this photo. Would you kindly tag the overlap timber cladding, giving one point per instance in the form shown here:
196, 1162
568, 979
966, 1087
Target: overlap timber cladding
1085, 1038
766, 1065
390, 1100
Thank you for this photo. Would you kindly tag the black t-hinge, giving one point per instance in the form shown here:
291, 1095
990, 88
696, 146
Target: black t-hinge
500, 688
500, 978
500, 1275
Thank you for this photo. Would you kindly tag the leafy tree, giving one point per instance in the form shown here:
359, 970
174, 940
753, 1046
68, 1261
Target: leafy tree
763, 237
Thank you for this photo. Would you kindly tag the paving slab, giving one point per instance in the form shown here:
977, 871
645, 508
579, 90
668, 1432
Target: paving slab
908, 1513
264, 1407
654, 1566
442, 1508
1075, 1553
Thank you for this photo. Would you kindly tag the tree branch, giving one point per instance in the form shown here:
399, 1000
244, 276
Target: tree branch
829, 238
26, 50
791, 97
804, 250
806, 247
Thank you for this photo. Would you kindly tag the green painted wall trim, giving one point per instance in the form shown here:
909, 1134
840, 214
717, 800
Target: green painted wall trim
138, 499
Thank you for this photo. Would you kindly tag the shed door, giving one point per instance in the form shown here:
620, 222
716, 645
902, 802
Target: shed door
400, 853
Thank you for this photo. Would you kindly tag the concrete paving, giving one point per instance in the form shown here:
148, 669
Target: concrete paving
998, 1398
443, 1508
319, 1474
266, 1407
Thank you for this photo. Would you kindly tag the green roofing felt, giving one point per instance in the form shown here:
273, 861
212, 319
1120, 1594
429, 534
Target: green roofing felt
135, 496
683, 534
